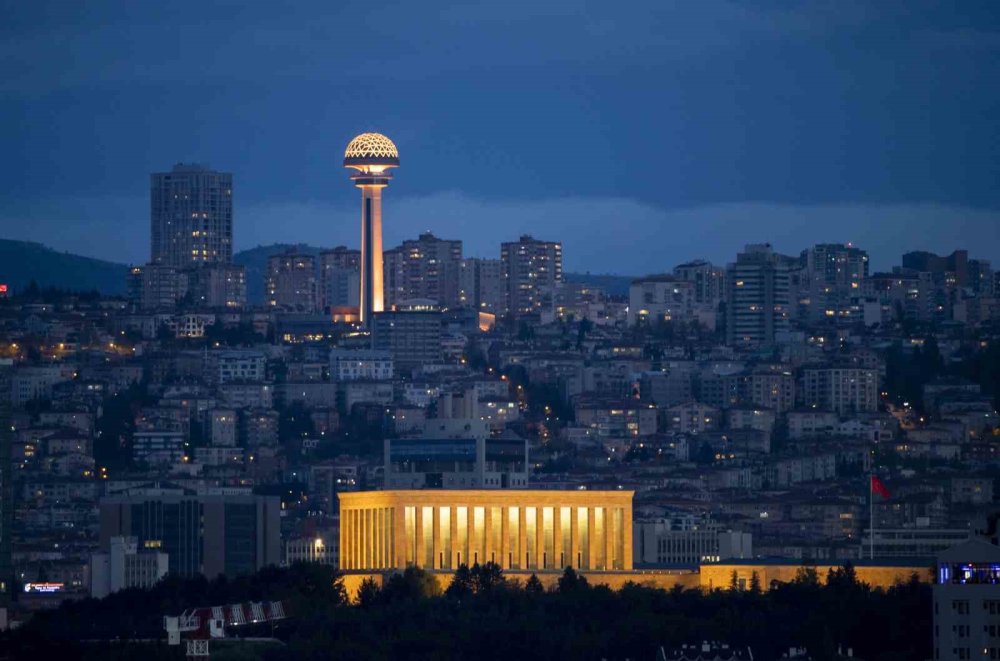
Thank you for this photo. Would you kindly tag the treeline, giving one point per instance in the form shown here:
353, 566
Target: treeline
484, 615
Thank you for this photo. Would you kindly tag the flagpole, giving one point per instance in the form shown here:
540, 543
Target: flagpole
871, 516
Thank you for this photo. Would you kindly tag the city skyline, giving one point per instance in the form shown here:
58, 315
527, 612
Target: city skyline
748, 133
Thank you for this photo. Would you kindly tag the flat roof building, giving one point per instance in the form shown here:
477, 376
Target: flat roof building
967, 602
518, 530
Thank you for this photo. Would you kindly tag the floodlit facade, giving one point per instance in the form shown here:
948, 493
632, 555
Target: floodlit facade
519, 530
371, 155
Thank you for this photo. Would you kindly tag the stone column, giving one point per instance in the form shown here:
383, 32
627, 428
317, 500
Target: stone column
504, 538
522, 537
574, 537
454, 536
592, 541
438, 548
609, 538
557, 538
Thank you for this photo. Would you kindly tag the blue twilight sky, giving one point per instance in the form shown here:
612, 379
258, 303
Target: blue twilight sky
640, 134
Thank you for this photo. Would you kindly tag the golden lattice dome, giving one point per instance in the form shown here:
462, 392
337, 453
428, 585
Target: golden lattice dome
371, 148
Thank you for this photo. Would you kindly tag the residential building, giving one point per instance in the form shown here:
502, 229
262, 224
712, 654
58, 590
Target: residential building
159, 448
340, 278
481, 285
240, 366
290, 283
221, 286
660, 298
425, 268
842, 389
360, 364
834, 277
530, 268
759, 296
710, 282
191, 216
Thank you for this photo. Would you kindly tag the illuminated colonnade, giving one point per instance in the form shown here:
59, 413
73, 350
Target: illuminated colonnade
518, 530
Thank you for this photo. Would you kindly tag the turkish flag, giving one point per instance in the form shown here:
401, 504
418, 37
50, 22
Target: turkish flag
878, 486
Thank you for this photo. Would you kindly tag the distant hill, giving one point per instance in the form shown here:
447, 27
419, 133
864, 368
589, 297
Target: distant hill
24, 261
615, 285
255, 261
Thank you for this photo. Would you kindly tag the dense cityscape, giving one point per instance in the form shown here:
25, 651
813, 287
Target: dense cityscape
417, 424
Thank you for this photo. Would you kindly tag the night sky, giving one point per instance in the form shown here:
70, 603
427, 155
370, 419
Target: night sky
641, 134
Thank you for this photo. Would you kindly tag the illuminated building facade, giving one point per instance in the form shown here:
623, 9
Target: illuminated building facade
518, 530
371, 155
191, 216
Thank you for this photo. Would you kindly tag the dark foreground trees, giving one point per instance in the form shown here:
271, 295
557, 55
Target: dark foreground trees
484, 615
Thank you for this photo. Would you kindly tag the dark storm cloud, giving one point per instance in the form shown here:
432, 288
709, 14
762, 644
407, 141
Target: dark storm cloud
684, 121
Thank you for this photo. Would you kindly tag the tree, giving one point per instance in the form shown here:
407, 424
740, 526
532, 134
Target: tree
755, 583
533, 585
486, 577
461, 583
571, 582
734, 581
806, 576
368, 592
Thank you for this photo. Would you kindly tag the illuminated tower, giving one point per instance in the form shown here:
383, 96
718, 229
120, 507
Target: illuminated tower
371, 154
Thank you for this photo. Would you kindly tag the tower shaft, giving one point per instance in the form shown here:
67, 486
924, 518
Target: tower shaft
371, 251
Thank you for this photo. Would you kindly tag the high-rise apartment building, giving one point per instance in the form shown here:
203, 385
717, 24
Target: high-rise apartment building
201, 534
759, 298
481, 285
832, 279
709, 281
290, 282
191, 216
340, 278
531, 267
219, 286
842, 388
957, 263
427, 267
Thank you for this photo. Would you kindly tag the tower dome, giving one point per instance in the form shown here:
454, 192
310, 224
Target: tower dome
371, 149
